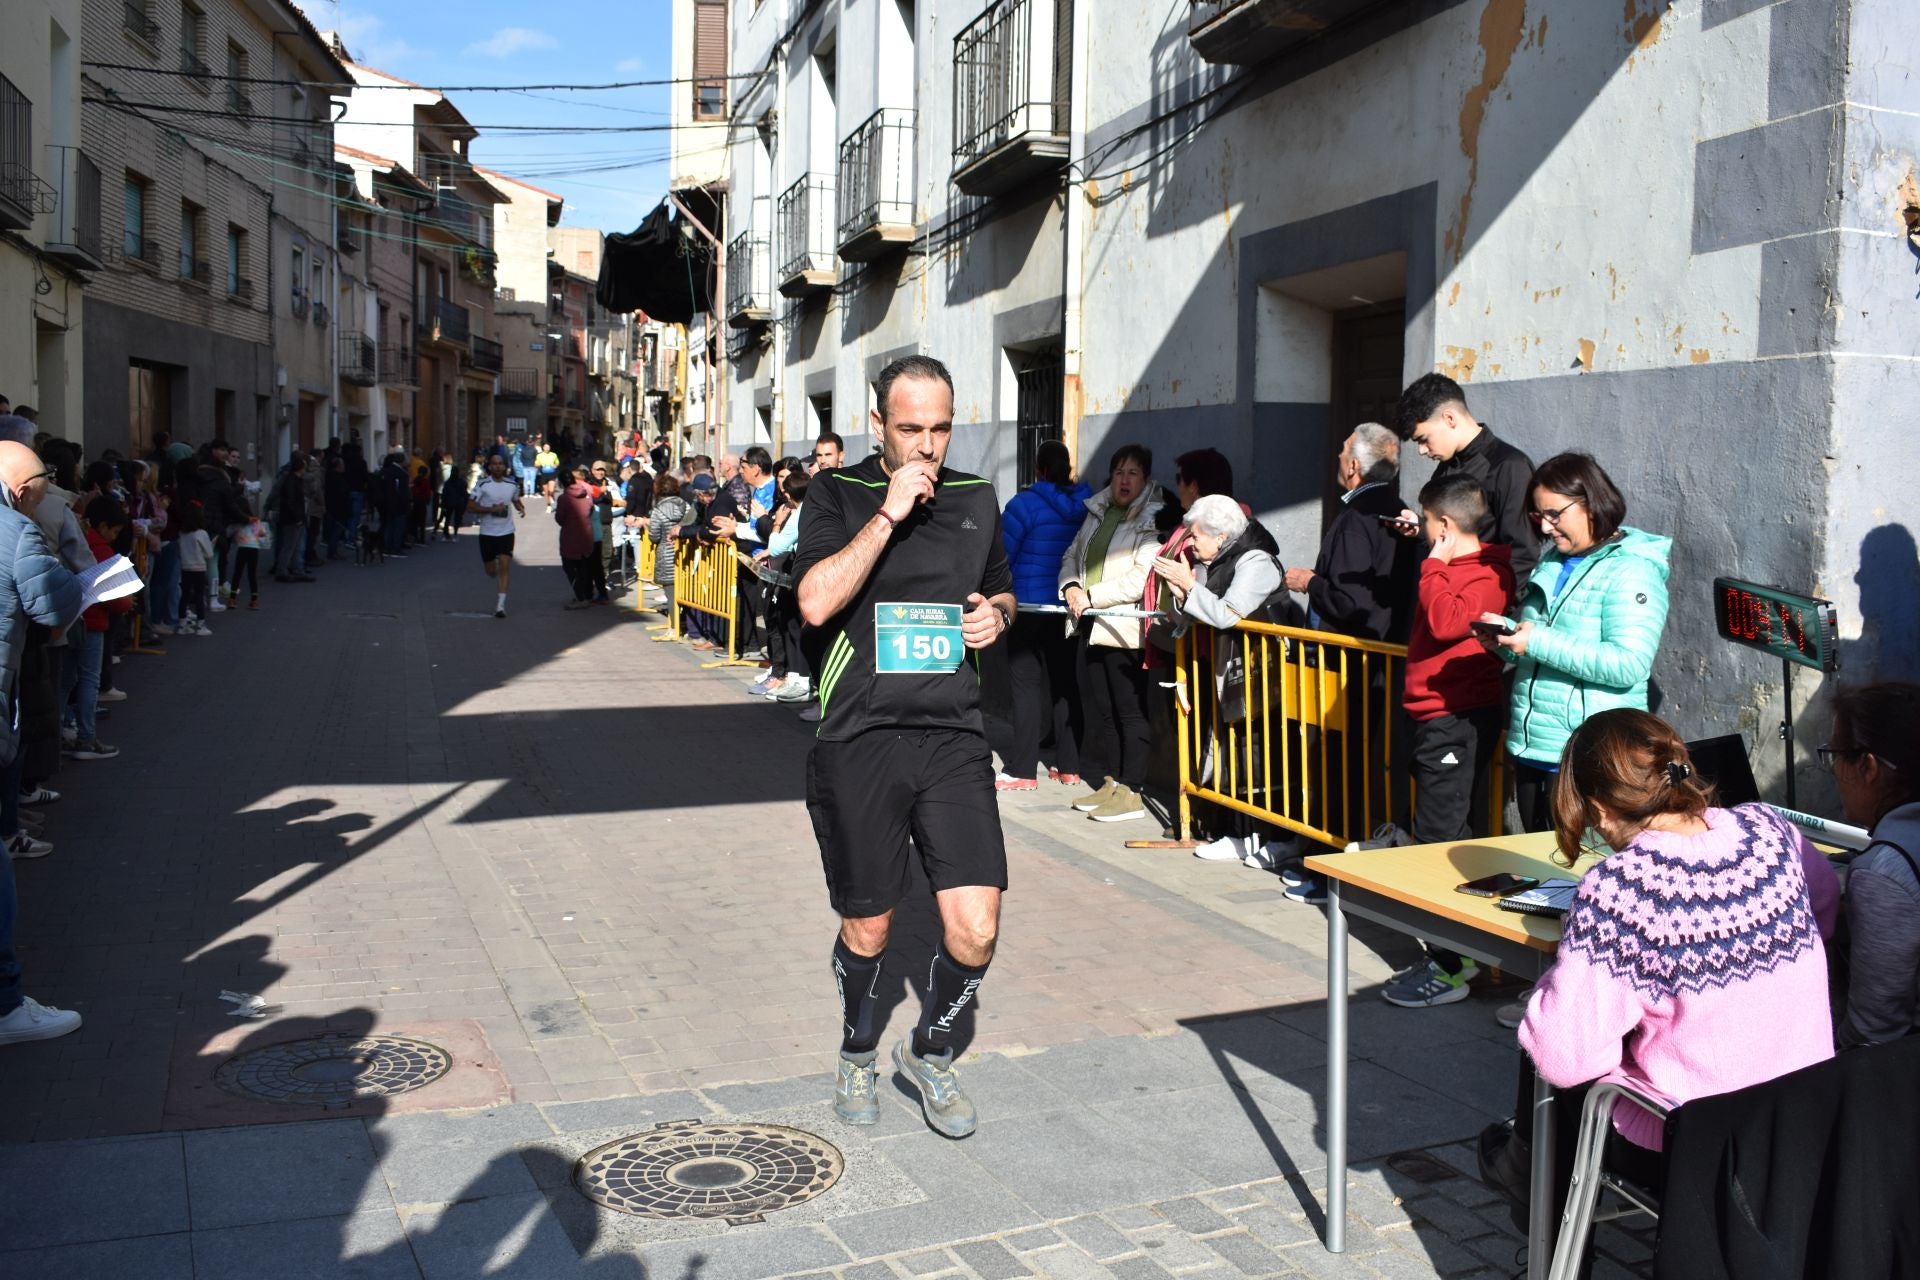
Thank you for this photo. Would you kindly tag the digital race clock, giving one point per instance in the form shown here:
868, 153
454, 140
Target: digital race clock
1791, 627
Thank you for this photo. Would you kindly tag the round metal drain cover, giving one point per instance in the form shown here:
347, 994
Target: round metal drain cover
734, 1171
334, 1071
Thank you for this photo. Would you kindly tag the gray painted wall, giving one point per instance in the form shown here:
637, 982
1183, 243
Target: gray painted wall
203, 362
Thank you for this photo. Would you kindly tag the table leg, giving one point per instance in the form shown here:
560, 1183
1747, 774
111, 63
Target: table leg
1336, 1117
1540, 1223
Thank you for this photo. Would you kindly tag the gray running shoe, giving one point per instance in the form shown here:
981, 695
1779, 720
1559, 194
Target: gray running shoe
947, 1110
854, 1099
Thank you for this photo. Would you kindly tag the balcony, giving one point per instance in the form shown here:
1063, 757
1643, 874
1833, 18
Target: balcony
397, 365
488, 355
519, 384
359, 359
806, 237
478, 263
141, 252
133, 17
320, 316
299, 305
75, 235
347, 242
449, 323
749, 287
1242, 32
1010, 90
876, 186
23, 196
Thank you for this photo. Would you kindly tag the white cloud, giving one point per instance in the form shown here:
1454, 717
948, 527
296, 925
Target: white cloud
631, 64
508, 41
365, 36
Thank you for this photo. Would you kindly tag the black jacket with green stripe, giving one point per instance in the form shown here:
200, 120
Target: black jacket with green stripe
947, 549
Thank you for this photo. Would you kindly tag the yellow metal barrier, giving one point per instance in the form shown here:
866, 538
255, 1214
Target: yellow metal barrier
1298, 729
706, 579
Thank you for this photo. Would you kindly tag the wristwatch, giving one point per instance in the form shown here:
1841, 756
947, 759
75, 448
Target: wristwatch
1006, 619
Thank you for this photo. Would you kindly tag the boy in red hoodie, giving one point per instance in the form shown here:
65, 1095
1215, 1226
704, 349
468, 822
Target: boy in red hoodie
1456, 698
105, 520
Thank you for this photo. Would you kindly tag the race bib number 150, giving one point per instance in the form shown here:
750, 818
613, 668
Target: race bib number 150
917, 639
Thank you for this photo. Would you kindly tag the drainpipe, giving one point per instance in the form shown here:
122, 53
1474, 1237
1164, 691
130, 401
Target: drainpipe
1073, 285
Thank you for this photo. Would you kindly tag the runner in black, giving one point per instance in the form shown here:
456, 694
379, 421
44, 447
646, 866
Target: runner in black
902, 578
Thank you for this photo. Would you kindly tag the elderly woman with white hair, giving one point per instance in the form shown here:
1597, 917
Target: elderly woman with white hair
1236, 576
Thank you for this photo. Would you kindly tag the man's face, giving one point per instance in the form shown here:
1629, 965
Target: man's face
219, 455
1346, 469
496, 466
752, 474
599, 475
826, 454
918, 423
728, 466
1442, 435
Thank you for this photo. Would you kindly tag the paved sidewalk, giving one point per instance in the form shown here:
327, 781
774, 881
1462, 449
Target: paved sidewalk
579, 863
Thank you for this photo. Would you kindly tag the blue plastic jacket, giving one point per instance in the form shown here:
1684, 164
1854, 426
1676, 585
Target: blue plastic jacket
34, 586
1038, 526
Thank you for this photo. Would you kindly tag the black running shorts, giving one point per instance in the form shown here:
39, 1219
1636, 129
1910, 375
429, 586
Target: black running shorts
869, 794
495, 545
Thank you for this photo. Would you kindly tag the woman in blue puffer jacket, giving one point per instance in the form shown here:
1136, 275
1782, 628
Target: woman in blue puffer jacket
1590, 620
1038, 526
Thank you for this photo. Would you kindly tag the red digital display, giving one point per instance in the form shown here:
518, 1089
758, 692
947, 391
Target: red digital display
1797, 628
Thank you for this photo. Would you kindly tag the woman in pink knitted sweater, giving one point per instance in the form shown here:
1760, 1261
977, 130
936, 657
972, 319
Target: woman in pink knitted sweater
1692, 961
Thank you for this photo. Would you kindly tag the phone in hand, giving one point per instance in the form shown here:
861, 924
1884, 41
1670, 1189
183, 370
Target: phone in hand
1504, 627
1498, 885
1394, 524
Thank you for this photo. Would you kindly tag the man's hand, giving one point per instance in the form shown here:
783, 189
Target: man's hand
1297, 579
1404, 525
755, 510
1076, 601
911, 484
723, 526
981, 624
517, 508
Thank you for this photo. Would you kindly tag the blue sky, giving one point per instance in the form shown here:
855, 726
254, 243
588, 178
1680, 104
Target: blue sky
610, 180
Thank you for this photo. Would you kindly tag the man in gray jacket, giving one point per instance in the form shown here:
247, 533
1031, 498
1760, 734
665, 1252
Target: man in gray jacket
34, 586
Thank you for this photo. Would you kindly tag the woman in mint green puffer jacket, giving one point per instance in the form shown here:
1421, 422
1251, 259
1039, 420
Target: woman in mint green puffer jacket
1589, 623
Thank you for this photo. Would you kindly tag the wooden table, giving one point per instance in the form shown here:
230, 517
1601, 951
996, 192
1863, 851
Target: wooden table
1412, 890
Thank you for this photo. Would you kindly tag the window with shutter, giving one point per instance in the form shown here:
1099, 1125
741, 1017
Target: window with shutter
709, 59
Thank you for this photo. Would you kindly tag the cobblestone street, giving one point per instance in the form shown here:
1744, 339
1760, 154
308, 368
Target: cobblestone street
580, 865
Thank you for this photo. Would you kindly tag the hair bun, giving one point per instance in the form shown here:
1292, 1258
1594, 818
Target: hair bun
1678, 771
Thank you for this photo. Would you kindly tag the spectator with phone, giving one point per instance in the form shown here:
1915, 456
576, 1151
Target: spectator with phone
1589, 626
1362, 582
1433, 414
1456, 698
1875, 759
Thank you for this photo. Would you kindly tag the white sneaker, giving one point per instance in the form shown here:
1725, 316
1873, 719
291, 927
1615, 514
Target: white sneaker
1225, 849
36, 1021
214, 606
796, 689
201, 629
25, 846
69, 734
112, 695
160, 628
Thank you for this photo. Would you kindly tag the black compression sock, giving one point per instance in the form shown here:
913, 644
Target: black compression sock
858, 978
950, 989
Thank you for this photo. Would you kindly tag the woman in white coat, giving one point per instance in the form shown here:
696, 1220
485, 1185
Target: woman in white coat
1107, 567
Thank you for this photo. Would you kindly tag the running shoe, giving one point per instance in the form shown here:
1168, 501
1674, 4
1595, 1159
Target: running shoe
1007, 782
111, 695
160, 628
1428, 985
1088, 803
94, 749
1064, 779
947, 1110
23, 845
795, 689
854, 1098
758, 689
39, 795
1123, 805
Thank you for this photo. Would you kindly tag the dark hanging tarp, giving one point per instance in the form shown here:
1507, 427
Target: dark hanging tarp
663, 267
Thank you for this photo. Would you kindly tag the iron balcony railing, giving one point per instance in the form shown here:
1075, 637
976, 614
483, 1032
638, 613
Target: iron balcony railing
450, 322
876, 173
1010, 76
519, 384
76, 223
487, 354
806, 229
22, 193
359, 359
749, 283
134, 18
320, 315
397, 364
299, 305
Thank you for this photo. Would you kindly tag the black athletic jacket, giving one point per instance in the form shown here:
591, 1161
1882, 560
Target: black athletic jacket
946, 550
1504, 474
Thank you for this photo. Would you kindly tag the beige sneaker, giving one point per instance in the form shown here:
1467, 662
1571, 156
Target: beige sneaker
1122, 806
1088, 803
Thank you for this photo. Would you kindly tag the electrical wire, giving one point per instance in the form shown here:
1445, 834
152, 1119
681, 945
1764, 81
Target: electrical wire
529, 130
354, 86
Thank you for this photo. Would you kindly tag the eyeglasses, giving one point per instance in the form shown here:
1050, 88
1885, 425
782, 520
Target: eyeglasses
1828, 754
1556, 515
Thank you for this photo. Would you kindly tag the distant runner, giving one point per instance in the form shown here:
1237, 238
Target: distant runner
900, 573
496, 500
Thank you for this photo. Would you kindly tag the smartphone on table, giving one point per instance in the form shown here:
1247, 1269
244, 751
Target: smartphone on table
1498, 885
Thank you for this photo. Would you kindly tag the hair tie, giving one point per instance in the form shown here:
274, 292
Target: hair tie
1678, 771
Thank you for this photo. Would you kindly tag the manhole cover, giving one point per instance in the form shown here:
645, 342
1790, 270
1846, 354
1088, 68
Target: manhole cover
334, 1071
734, 1171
